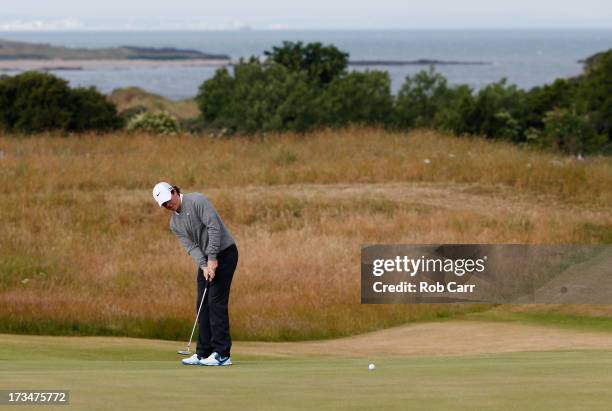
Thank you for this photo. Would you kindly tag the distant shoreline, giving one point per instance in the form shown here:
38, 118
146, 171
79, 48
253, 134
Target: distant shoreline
25, 51
61, 64
420, 62
88, 64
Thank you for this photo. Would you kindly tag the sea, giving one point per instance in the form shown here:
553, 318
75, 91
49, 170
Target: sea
526, 58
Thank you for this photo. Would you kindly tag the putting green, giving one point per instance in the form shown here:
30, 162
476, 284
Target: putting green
127, 374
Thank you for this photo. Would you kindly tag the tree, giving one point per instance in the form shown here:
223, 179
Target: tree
595, 92
321, 63
216, 99
568, 131
358, 97
452, 114
498, 112
92, 111
259, 98
420, 98
34, 102
540, 100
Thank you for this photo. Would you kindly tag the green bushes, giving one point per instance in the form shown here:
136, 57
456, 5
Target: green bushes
154, 123
498, 111
91, 111
426, 100
128, 114
594, 92
300, 87
322, 64
567, 131
357, 98
297, 88
35, 102
259, 98
541, 100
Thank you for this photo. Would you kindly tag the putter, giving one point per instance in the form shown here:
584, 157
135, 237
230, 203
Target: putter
188, 350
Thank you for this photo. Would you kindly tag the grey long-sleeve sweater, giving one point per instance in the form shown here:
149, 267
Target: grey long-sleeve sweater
200, 229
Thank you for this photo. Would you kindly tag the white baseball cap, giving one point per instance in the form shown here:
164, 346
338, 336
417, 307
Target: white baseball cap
162, 192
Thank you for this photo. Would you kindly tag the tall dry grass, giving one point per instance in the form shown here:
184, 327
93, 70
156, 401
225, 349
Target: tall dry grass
84, 249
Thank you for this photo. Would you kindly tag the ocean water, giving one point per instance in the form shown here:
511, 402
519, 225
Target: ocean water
526, 58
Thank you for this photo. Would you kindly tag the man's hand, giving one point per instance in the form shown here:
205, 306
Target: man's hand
209, 272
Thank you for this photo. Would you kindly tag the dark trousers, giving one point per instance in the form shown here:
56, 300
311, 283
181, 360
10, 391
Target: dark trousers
214, 330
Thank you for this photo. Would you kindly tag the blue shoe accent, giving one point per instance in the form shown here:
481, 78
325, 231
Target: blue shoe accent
216, 359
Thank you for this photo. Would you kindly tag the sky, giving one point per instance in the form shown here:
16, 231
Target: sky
305, 14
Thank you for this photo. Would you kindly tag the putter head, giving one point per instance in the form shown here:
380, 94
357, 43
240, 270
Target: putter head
184, 352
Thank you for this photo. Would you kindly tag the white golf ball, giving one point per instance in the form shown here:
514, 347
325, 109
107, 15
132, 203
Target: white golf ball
371, 367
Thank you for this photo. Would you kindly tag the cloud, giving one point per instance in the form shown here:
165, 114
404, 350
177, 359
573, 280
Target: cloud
23, 24
279, 26
35, 25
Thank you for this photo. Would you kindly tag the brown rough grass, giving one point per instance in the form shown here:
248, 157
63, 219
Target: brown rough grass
84, 245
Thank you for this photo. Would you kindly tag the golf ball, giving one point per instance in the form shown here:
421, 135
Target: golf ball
371, 367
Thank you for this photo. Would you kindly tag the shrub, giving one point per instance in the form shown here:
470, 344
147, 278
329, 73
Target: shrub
451, 115
259, 98
297, 88
321, 63
154, 123
419, 98
498, 111
426, 100
131, 112
567, 131
195, 125
34, 102
300, 87
92, 111
358, 97
216, 99
540, 100
595, 92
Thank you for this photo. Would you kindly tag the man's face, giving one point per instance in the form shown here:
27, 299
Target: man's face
174, 203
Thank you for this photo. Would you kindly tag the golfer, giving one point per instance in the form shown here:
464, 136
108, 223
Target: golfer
204, 236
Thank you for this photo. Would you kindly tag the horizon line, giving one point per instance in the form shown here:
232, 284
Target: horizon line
248, 29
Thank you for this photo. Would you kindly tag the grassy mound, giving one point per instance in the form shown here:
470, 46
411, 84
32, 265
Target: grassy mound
130, 97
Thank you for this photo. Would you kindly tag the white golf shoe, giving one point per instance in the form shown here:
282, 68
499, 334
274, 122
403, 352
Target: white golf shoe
193, 360
216, 359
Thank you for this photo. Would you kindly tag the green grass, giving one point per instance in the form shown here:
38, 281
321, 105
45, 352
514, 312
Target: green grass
137, 374
557, 320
